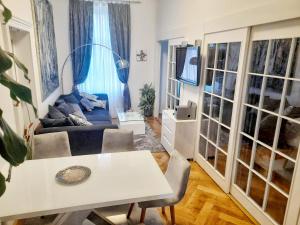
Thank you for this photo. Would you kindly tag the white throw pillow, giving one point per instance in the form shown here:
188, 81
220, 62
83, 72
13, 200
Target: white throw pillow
78, 121
99, 104
89, 96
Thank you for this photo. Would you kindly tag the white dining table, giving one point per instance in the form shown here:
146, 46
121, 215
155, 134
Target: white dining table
117, 178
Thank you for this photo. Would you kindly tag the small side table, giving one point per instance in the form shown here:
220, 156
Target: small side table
132, 121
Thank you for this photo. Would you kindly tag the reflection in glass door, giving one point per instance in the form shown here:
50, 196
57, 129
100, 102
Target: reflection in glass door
221, 77
269, 133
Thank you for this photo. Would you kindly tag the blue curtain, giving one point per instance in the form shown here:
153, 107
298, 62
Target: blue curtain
81, 33
102, 76
120, 32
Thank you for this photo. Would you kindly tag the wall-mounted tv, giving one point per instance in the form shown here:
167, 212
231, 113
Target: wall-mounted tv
188, 64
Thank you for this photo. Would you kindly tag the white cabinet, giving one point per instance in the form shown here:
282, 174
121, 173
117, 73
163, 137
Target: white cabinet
178, 134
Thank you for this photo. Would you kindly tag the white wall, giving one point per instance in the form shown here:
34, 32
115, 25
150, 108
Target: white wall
143, 37
191, 19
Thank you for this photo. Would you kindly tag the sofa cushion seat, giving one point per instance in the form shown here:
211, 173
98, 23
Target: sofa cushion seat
98, 115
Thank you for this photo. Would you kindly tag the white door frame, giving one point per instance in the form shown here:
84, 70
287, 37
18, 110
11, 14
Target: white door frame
285, 29
238, 35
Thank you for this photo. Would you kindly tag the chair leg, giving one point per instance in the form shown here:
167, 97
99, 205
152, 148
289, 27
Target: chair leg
172, 211
163, 210
130, 210
143, 214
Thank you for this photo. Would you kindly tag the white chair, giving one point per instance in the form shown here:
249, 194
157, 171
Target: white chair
177, 175
51, 145
117, 140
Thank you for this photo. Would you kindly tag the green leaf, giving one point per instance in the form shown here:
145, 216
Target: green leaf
12, 147
6, 62
6, 13
20, 65
17, 91
2, 185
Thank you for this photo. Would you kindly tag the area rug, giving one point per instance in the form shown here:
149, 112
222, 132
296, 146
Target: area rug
148, 141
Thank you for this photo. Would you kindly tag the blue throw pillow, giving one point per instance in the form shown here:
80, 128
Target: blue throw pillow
47, 122
87, 105
54, 113
65, 108
70, 99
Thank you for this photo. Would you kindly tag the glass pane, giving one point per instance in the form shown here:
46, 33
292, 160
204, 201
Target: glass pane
227, 113
222, 49
241, 178
218, 83
289, 138
224, 138
254, 90
295, 73
292, 103
272, 95
282, 174
258, 57
245, 150
211, 152
209, 80
211, 55
204, 125
202, 146
276, 205
257, 189
262, 160
221, 162
267, 128
279, 56
250, 121
233, 56
230, 85
206, 103
216, 105
213, 131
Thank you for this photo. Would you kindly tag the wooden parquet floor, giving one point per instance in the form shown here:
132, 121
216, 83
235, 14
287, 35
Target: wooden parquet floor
204, 202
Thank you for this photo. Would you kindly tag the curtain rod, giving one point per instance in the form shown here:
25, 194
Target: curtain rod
116, 1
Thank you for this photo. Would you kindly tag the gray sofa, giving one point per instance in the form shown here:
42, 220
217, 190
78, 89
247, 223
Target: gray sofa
85, 140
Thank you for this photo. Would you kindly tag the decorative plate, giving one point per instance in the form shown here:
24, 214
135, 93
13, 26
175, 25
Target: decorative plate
73, 175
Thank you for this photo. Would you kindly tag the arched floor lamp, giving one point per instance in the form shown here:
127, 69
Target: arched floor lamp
121, 63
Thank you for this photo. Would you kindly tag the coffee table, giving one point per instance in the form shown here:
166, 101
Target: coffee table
132, 121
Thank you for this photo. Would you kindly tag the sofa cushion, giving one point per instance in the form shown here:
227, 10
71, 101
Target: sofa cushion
88, 106
47, 122
98, 115
54, 113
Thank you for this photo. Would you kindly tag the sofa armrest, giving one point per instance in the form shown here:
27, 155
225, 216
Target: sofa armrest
83, 140
103, 97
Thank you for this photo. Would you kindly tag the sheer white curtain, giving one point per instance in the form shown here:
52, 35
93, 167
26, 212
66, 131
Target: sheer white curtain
102, 76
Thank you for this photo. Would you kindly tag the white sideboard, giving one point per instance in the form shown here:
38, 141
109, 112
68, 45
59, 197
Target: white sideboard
178, 134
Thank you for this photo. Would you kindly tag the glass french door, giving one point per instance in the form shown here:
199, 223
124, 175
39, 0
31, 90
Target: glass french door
266, 156
223, 64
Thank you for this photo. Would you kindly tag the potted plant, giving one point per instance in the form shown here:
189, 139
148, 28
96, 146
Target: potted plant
13, 148
147, 100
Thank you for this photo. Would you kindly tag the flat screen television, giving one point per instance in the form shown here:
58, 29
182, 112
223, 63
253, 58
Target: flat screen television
188, 64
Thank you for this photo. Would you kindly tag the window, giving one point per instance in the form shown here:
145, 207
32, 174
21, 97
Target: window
102, 76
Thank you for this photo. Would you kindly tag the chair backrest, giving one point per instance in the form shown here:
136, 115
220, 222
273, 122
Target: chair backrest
177, 174
51, 145
117, 140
